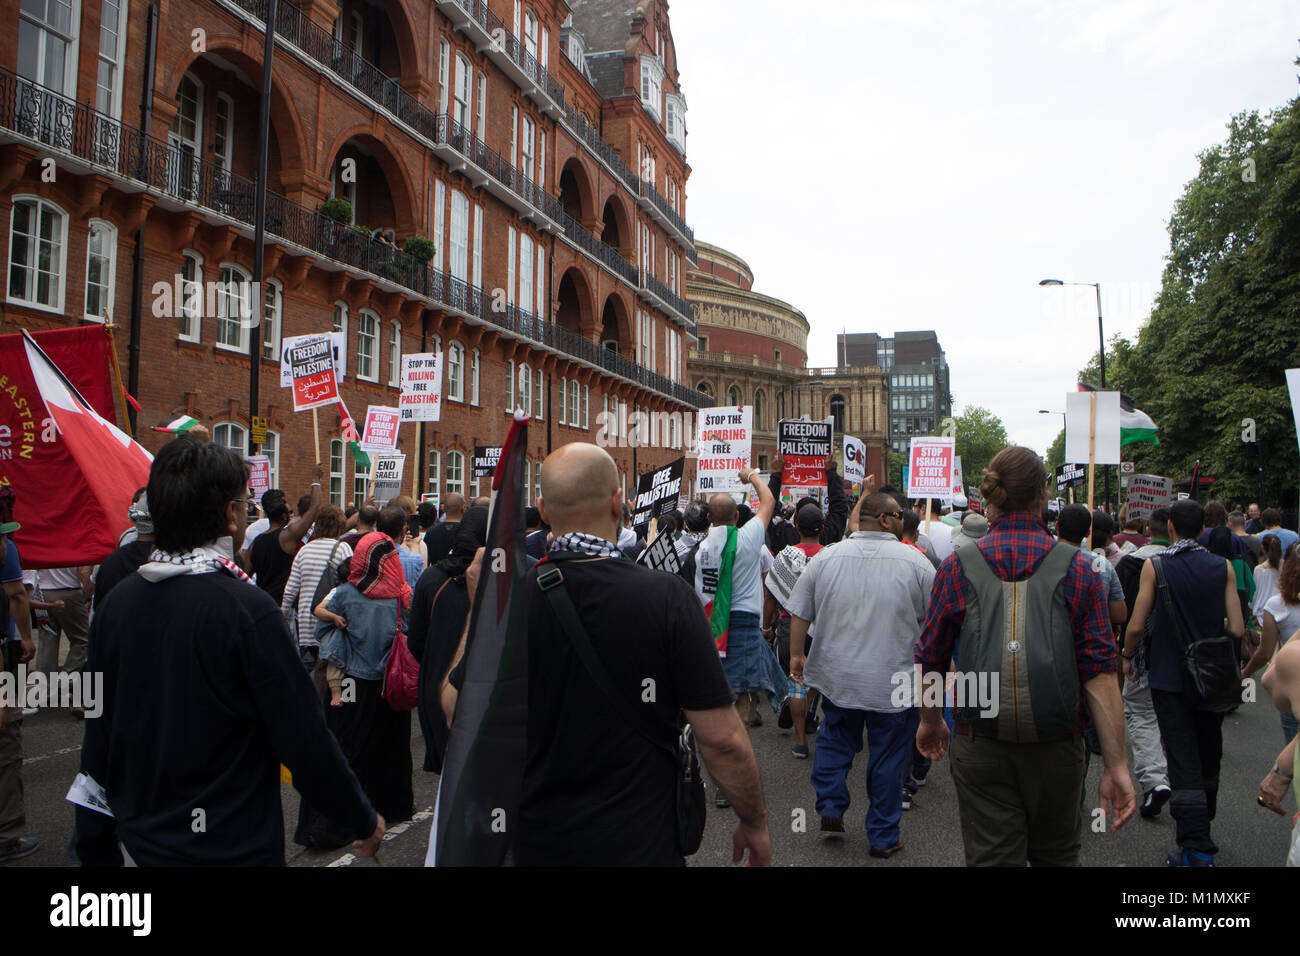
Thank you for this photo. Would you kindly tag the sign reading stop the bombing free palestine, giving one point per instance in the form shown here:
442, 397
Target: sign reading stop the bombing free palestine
723, 448
930, 466
1146, 493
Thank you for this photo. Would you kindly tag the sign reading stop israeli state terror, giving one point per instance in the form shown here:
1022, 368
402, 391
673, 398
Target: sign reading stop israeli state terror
929, 470
311, 364
259, 475
421, 398
380, 435
657, 492
723, 448
804, 448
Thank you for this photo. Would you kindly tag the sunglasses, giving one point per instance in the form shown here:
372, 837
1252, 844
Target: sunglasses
887, 514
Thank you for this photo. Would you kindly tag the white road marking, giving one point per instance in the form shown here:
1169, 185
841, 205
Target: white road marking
347, 859
52, 753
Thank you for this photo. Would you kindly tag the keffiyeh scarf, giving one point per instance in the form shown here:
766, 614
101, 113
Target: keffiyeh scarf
588, 544
202, 560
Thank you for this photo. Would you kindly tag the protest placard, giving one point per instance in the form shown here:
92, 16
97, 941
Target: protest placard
723, 448
804, 448
485, 460
311, 364
380, 435
421, 398
259, 475
957, 482
1079, 425
660, 554
855, 463
657, 492
340, 355
1146, 493
1070, 476
387, 478
929, 470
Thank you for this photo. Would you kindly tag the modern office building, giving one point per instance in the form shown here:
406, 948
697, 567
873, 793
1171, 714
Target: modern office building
917, 371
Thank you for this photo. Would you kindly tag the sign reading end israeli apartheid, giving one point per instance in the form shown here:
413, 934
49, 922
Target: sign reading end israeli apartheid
657, 492
1146, 493
804, 448
311, 365
660, 554
723, 448
485, 460
387, 477
421, 398
380, 435
929, 470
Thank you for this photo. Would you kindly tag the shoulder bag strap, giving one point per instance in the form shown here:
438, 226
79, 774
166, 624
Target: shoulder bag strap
551, 583
1162, 588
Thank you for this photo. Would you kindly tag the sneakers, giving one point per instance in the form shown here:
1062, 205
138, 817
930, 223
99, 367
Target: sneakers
832, 824
784, 720
1154, 800
19, 848
908, 793
884, 853
800, 751
1182, 857
811, 724
720, 801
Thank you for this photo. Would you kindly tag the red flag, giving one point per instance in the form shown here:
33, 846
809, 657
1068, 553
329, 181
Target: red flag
72, 470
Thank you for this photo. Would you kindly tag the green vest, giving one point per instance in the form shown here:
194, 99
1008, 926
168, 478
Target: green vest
1021, 631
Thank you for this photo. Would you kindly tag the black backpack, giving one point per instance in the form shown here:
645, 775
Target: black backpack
1129, 572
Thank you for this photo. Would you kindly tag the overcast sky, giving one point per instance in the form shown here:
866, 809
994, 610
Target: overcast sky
921, 164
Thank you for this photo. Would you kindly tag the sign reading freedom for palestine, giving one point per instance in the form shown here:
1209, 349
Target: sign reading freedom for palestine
804, 448
311, 364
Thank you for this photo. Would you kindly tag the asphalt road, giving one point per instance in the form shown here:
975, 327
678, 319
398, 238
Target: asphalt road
1247, 834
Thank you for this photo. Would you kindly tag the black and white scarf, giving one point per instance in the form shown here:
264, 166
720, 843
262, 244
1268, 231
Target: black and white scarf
588, 544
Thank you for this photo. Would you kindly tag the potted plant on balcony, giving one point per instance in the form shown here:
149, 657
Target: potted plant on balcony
419, 248
337, 216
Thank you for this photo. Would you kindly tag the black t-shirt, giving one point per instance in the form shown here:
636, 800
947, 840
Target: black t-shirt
440, 538
204, 697
270, 563
596, 792
125, 560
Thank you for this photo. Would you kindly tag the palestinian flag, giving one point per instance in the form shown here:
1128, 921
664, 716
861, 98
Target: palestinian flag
1135, 425
348, 427
717, 550
482, 780
182, 424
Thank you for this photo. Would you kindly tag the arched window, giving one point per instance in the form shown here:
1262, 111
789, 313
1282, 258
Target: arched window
231, 435
455, 473
272, 451
780, 405
705, 389
733, 396
395, 354
101, 264
837, 412
473, 376
368, 346
234, 308
38, 242
758, 410
190, 309
456, 372
272, 309
525, 395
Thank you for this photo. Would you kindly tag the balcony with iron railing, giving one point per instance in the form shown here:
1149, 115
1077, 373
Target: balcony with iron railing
477, 21
661, 210
660, 295
91, 141
591, 138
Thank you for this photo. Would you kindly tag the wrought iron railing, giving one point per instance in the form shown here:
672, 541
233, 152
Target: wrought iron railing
664, 206
515, 48
605, 254
678, 304
591, 136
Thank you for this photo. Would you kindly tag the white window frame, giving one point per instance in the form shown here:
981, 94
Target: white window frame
652, 86
462, 93
366, 317
511, 245
395, 353
586, 405
340, 476
539, 394
474, 367
225, 299
458, 252
439, 215
271, 449
272, 319
456, 372
224, 158
528, 147
455, 466
433, 479
108, 232
478, 246
564, 400
524, 389
59, 277
510, 387
113, 63
480, 108
540, 281
526, 272
71, 39
223, 434
444, 74
190, 309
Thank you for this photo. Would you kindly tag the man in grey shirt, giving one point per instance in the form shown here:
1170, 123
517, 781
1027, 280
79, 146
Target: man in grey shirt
869, 595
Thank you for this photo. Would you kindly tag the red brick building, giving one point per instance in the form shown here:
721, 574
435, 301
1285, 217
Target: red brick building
539, 144
753, 351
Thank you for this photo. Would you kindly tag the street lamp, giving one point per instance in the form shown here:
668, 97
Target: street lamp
1101, 358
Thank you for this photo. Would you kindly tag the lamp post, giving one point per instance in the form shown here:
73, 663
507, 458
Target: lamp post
1101, 359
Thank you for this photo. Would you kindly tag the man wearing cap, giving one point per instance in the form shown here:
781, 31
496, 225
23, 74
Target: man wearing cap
127, 558
17, 649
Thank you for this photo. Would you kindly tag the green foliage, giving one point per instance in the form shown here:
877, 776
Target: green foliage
1226, 323
338, 209
420, 248
980, 435
1056, 453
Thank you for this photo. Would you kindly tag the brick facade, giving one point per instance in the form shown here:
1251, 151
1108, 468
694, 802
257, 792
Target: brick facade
384, 110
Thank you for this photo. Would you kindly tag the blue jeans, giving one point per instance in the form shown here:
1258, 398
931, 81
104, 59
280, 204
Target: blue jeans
889, 746
1289, 726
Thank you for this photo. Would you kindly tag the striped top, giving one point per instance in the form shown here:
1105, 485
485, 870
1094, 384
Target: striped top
308, 565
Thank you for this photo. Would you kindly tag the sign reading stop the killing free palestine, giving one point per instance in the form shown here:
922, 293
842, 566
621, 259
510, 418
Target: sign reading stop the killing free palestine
421, 399
380, 435
311, 365
929, 470
804, 448
723, 448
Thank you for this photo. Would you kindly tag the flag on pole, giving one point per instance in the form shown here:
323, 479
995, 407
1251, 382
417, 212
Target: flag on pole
177, 425
348, 427
71, 467
1135, 425
481, 786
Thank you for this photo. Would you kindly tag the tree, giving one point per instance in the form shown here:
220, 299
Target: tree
1056, 453
980, 435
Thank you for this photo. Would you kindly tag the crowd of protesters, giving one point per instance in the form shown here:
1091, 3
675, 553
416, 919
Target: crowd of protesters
269, 648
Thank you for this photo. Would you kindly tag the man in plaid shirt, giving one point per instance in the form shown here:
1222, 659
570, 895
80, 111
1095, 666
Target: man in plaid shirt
1020, 801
